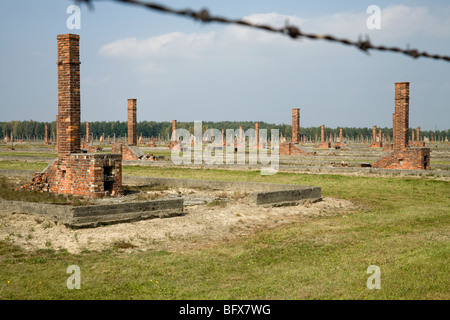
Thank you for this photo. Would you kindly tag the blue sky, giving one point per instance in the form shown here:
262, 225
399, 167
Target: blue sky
180, 69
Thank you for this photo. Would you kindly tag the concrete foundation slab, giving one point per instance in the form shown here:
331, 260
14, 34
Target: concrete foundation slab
95, 215
267, 194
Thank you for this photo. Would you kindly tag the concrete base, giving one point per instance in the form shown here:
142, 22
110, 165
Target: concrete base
93, 216
260, 194
267, 194
286, 197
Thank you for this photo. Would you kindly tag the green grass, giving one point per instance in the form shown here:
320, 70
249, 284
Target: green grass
440, 162
28, 154
162, 153
402, 226
23, 165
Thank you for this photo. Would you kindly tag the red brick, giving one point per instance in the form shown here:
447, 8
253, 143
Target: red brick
323, 144
296, 125
402, 156
75, 172
132, 122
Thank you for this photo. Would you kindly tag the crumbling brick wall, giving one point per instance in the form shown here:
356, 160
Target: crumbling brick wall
128, 152
410, 159
86, 174
290, 149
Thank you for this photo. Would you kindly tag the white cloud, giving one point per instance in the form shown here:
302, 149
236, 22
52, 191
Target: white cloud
404, 21
169, 44
338, 24
398, 24
179, 44
273, 19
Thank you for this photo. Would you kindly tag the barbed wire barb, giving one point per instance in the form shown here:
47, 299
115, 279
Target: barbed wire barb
294, 32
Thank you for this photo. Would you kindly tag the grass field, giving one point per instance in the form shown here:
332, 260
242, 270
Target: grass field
402, 227
28, 154
22, 165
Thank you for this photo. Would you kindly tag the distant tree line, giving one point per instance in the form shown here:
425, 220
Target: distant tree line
36, 130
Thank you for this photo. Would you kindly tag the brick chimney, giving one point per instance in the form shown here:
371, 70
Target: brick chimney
132, 122
374, 134
401, 118
46, 134
174, 130
257, 134
88, 132
69, 113
295, 125
322, 134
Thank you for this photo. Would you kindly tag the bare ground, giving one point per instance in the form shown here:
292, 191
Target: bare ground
227, 217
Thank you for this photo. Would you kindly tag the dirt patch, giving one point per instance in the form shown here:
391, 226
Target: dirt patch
211, 218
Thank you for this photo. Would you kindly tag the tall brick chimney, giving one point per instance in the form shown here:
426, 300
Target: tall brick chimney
374, 134
174, 130
322, 133
257, 134
241, 137
418, 134
393, 127
401, 118
403, 157
132, 123
69, 113
295, 125
46, 134
75, 172
88, 132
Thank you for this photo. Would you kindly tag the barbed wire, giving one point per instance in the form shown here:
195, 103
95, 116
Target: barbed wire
292, 31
